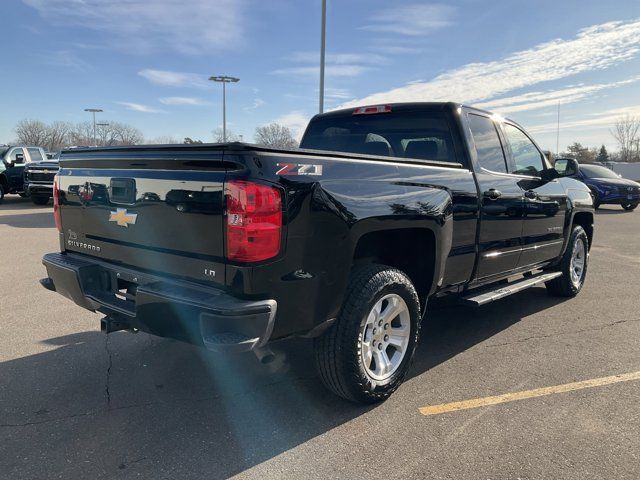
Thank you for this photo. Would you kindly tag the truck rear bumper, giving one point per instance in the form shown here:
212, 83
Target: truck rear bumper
182, 310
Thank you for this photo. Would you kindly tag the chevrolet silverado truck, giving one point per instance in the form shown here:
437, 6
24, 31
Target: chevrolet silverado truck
232, 246
38, 180
13, 160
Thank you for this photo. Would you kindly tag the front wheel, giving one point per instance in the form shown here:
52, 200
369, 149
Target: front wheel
573, 266
39, 200
629, 206
365, 355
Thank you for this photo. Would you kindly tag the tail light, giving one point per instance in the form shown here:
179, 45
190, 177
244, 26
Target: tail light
56, 203
254, 221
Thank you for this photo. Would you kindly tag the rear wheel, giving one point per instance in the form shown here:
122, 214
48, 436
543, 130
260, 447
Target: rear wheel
629, 206
573, 266
365, 356
39, 199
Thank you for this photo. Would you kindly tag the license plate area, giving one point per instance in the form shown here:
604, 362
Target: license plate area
123, 191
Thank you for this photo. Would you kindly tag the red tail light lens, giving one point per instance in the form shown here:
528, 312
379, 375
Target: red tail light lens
56, 203
372, 110
254, 221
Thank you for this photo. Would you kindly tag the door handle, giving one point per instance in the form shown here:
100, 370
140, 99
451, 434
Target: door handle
531, 194
492, 194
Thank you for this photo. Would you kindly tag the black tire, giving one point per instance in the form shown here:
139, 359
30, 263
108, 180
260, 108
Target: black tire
596, 199
23, 195
39, 199
629, 206
565, 286
1, 192
338, 351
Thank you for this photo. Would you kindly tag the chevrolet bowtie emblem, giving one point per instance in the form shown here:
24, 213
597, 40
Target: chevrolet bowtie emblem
122, 218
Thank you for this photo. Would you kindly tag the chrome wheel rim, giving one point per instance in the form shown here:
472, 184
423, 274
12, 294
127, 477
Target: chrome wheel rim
385, 336
578, 262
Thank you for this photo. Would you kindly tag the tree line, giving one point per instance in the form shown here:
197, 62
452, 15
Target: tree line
57, 135
626, 132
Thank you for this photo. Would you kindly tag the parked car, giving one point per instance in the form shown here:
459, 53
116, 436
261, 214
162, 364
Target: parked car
13, 160
344, 240
38, 180
607, 187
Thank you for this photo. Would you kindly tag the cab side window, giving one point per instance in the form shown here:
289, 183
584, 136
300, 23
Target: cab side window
35, 154
14, 153
488, 146
526, 156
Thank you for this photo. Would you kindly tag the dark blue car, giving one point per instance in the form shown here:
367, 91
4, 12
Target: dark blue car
608, 188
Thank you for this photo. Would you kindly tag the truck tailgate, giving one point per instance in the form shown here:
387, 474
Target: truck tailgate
146, 209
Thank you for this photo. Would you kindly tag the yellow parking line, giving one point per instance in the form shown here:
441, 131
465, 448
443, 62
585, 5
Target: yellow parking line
537, 392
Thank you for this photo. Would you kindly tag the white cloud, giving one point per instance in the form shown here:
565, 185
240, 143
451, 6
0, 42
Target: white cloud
192, 27
167, 78
594, 48
295, 121
330, 71
139, 107
344, 64
412, 20
66, 59
257, 103
547, 98
600, 120
339, 58
183, 101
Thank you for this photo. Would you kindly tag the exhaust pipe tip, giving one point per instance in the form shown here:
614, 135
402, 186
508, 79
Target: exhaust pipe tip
264, 355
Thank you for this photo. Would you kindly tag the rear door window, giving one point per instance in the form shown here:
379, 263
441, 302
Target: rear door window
422, 135
487, 142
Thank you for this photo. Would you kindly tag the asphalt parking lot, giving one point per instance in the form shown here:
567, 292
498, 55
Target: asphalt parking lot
78, 404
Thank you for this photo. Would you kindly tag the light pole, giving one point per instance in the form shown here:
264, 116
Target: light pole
224, 80
94, 111
323, 41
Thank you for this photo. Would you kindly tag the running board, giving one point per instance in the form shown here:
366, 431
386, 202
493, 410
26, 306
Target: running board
488, 296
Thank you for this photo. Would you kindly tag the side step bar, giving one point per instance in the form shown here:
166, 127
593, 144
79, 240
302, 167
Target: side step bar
477, 299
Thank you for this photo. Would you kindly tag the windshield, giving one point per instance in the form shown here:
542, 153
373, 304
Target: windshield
597, 171
421, 135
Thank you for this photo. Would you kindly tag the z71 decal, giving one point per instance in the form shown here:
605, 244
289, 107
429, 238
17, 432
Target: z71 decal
298, 169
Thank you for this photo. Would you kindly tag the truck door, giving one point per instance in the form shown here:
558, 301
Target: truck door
502, 200
545, 202
15, 169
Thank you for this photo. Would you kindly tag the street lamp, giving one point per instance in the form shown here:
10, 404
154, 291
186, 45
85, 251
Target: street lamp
323, 41
94, 111
224, 80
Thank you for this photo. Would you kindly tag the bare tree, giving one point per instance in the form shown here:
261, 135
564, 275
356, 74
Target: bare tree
626, 131
275, 135
163, 140
58, 135
32, 132
218, 136
81, 134
191, 141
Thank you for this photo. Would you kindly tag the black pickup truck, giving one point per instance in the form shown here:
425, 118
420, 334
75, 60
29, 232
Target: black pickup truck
233, 246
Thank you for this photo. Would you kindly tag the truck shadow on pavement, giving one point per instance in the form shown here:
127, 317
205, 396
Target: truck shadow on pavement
31, 220
102, 406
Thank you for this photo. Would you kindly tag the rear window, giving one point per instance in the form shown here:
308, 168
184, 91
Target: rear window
422, 135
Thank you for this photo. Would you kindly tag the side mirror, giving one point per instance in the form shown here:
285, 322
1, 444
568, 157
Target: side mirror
566, 167
19, 158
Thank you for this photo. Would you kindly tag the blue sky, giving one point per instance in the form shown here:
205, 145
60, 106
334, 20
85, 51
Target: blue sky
146, 62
